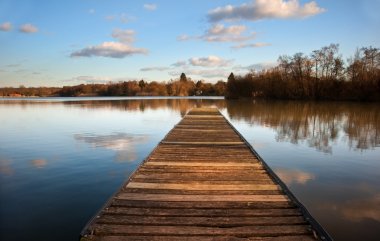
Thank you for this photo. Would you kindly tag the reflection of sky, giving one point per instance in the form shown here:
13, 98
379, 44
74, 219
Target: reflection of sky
294, 176
5, 167
124, 144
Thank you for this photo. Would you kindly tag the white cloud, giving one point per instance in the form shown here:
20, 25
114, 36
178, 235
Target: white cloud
150, 6
252, 45
124, 35
219, 29
91, 11
154, 68
265, 9
28, 28
120, 49
210, 61
109, 49
7, 26
222, 33
97, 79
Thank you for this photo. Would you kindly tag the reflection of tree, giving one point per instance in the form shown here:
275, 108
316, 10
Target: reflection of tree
181, 105
141, 105
319, 124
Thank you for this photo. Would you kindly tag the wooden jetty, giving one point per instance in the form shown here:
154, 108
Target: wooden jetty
203, 182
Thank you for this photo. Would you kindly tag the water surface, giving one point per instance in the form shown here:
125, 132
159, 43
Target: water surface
61, 159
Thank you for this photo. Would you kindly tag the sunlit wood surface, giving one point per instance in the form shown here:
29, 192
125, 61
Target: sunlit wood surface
202, 182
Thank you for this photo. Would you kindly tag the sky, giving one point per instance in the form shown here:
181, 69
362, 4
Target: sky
60, 43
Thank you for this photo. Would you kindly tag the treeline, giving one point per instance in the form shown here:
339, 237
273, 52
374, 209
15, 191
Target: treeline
29, 91
321, 75
182, 87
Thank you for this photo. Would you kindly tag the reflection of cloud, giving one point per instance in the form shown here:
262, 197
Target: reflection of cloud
5, 167
122, 143
39, 163
294, 176
357, 210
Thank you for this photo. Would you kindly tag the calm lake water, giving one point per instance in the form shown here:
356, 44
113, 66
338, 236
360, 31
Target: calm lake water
61, 159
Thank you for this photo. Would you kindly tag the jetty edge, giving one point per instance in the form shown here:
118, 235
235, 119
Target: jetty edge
203, 181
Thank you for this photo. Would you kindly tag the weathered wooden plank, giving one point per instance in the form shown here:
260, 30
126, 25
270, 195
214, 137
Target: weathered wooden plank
199, 221
202, 198
199, 238
210, 192
229, 205
204, 177
190, 116
198, 186
221, 170
195, 182
246, 231
205, 164
192, 212
212, 143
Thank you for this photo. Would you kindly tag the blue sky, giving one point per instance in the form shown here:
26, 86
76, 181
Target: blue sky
57, 43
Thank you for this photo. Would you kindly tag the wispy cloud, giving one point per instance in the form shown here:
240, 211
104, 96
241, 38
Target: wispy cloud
91, 11
265, 9
112, 49
180, 63
124, 35
256, 67
184, 37
109, 49
7, 26
222, 33
122, 17
210, 61
28, 28
250, 45
154, 68
150, 6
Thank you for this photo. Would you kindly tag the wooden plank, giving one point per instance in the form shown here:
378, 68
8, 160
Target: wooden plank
203, 116
245, 231
221, 170
229, 205
204, 164
202, 177
214, 143
202, 198
199, 221
195, 182
199, 238
199, 212
202, 192
241, 187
